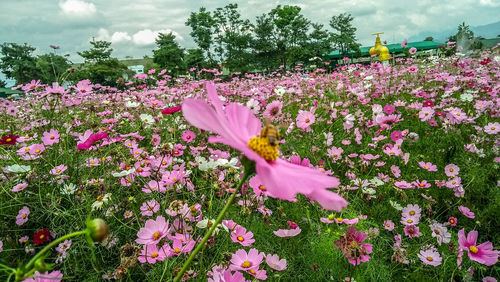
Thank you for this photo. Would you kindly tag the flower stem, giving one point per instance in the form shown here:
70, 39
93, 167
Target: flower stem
246, 174
21, 273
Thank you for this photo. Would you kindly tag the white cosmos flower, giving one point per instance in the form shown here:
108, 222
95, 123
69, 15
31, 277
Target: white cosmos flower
147, 119
123, 173
131, 104
101, 200
208, 223
19, 168
68, 189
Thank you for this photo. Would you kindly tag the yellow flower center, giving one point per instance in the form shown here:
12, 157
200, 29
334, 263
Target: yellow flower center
154, 255
246, 264
261, 146
177, 250
412, 213
240, 238
52, 137
24, 216
8, 139
473, 249
210, 223
156, 235
37, 151
42, 236
436, 231
262, 188
410, 221
339, 219
99, 198
430, 259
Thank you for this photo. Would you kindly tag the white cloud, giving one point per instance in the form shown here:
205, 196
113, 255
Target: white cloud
491, 3
103, 34
77, 8
120, 36
147, 36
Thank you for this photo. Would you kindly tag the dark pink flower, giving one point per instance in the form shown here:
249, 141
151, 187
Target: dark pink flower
483, 253
85, 145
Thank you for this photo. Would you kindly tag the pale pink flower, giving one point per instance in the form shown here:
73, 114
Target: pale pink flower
241, 260
304, 120
427, 166
241, 236
274, 262
153, 231
389, 225
285, 233
19, 187
151, 254
51, 137
430, 257
22, 216
466, 211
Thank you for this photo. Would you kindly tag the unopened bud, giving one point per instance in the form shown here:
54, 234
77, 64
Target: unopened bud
98, 229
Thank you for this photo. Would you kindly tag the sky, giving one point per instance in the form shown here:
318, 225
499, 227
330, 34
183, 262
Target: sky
132, 26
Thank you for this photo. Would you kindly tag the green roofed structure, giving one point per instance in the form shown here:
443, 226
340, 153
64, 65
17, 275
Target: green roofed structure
393, 49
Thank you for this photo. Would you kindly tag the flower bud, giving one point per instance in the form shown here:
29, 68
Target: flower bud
98, 229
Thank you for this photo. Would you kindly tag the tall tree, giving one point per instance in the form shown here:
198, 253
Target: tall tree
319, 41
52, 67
99, 52
18, 63
99, 66
289, 33
263, 44
344, 39
194, 58
202, 25
232, 36
169, 54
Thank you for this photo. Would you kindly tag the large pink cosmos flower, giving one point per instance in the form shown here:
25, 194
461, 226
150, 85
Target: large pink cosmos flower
285, 233
243, 261
153, 232
238, 127
483, 253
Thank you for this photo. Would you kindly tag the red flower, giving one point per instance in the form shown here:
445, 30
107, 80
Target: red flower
168, 111
8, 139
41, 236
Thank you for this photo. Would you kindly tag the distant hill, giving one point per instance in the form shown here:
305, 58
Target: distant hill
487, 31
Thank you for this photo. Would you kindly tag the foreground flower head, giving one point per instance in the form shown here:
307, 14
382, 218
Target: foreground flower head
153, 231
241, 260
352, 246
54, 276
482, 253
238, 127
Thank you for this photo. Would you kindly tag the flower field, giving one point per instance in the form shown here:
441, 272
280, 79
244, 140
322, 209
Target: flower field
364, 173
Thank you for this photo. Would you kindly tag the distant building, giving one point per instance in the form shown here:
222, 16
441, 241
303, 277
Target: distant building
428, 47
138, 69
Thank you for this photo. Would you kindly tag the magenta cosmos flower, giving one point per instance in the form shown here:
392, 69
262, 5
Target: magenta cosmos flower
85, 145
238, 127
352, 246
246, 262
483, 253
153, 232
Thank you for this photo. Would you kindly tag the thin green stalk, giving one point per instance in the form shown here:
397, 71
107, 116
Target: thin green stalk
29, 265
200, 246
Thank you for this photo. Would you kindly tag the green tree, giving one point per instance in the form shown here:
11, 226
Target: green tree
202, 25
319, 41
344, 39
194, 58
3, 84
264, 47
99, 66
290, 34
232, 37
99, 52
429, 38
169, 54
52, 67
18, 63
